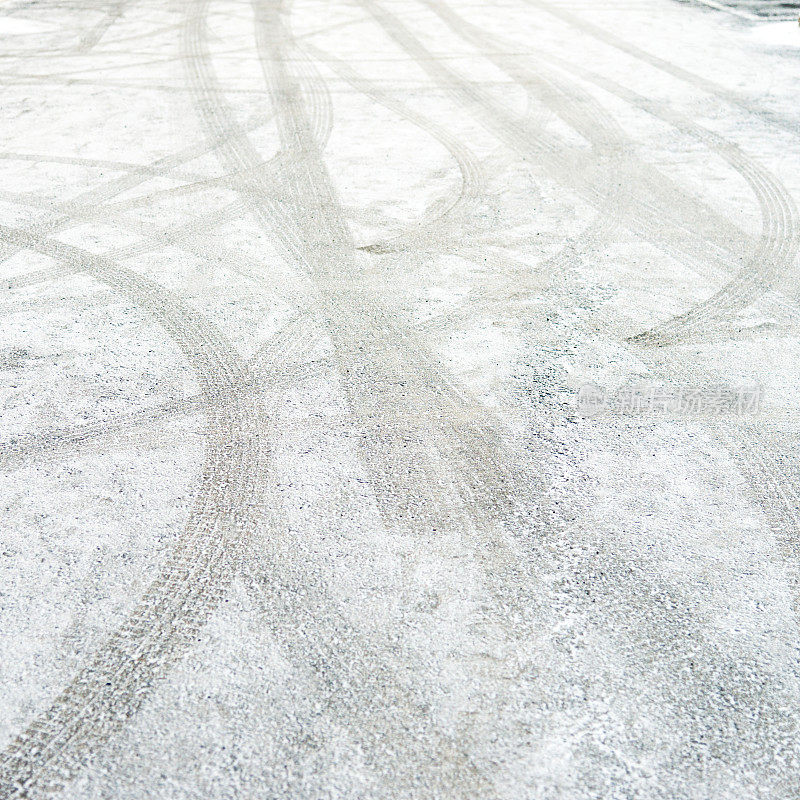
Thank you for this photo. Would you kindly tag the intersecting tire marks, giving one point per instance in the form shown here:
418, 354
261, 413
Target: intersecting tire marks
777, 248
472, 173
435, 458
166, 620
656, 210
378, 363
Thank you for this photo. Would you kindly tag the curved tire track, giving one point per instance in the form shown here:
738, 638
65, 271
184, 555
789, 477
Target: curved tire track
165, 622
654, 217
777, 248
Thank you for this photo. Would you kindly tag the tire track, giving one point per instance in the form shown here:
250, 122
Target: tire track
587, 118
707, 677
293, 340
473, 177
778, 244
564, 164
506, 568
93, 36
451, 472
235, 151
97, 195
425, 234
333, 296
710, 679
478, 483
165, 622
184, 235
56, 442
698, 236
418, 749
775, 485
385, 373
51, 158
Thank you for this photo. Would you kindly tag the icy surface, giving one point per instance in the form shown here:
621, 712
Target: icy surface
299, 302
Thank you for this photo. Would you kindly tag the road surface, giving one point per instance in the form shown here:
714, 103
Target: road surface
399, 400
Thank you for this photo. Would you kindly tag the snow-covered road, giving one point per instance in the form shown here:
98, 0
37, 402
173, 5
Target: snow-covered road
399, 400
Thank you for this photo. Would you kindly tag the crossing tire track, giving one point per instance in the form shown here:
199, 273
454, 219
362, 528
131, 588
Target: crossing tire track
292, 341
777, 247
98, 195
656, 210
166, 620
472, 173
363, 347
